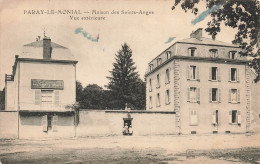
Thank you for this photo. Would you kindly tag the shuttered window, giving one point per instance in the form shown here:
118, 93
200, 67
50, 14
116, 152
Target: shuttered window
234, 95
167, 97
158, 81
234, 75
55, 123
193, 94
215, 117
44, 123
57, 98
193, 117
38, 97
235, 117
158, 103
150, 102
167, 76
150, 84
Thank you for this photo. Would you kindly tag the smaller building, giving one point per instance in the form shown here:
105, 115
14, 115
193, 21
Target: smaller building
41, 86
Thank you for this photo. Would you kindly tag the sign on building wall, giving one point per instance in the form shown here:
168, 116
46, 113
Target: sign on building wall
47, 84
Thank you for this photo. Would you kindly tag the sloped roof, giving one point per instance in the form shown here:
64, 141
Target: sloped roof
34, 50
40, 44
206, 41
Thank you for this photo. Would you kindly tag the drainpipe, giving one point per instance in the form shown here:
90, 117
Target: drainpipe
18, 102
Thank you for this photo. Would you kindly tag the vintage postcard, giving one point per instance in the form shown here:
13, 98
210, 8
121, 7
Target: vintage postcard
160, 81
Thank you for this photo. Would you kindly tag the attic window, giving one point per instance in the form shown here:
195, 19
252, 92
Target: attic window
159, 61
213, 53
192, 51
168, 54
151, 67
232, 54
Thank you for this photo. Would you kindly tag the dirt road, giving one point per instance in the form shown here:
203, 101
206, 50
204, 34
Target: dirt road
134, 149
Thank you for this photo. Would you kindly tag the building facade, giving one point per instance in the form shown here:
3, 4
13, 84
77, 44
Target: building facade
206, 82
41, 86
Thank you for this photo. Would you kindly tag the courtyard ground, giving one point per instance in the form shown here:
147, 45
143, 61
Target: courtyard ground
226, 148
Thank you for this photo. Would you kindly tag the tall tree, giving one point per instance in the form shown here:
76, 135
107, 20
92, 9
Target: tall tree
124, 82
240, 14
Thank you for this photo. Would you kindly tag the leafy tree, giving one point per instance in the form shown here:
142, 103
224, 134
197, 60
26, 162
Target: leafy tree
93, 97
124, 82
79, 91
240, 14
2, 99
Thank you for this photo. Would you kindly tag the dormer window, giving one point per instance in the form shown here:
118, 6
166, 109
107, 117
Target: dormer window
168, 54
159, 61
151, 67
232, 54
192, 51
213, 53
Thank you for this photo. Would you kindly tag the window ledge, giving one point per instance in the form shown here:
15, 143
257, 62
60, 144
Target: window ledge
193, 79
150, 90
214, 80
194, 124
158, 106
233, 81
167, 83
168, 103
234, 102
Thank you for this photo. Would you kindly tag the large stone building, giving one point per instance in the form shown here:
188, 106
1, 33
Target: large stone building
206, 82
42, 84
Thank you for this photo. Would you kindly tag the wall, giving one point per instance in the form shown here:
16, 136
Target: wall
8, 125
161, 90
10, 96
255, 107
205, 108
31, 126
105, 123
46, 71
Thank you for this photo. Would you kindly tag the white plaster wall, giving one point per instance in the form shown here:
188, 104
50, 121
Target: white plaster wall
8, 125
161, 90
101, 123
10, 96
35, 131
205, 108
46, 71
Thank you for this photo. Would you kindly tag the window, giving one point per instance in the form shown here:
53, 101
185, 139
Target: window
232, 54
213, 53
193, 94
192, 51
234, 75
214, 73
167, 76
193, 72
167, 97
158, 103
193, 117
47, 96
234, 117
234, 96
214, 94
159, 61
158, 81
151, 67
150, 85
168, 54
150, 102
215, 117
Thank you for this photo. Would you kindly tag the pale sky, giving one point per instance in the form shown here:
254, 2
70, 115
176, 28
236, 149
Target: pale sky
145, 34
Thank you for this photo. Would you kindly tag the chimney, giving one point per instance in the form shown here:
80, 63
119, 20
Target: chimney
47, 49
196, 34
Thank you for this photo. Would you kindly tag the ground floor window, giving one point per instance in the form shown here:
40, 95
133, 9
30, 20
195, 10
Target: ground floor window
215, 117
193, 117
234, 117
